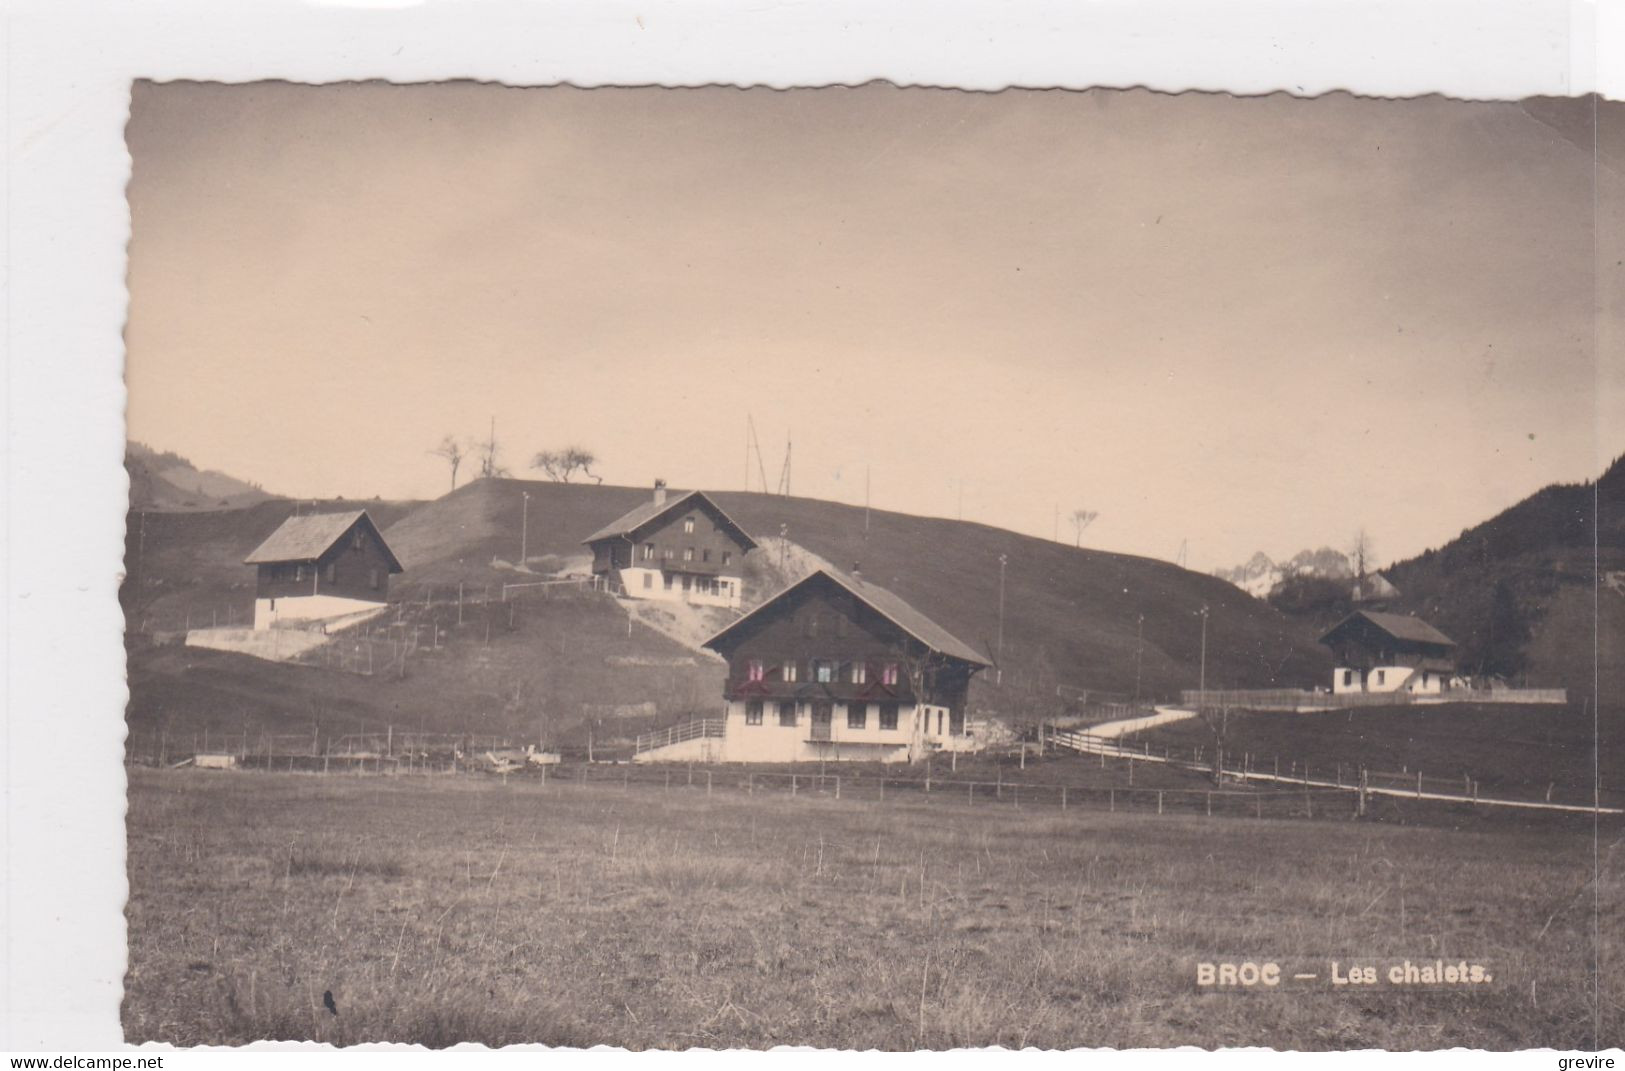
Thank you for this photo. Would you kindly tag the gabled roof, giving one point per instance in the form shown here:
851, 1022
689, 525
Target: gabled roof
882, 602
629, 523
1399, 626
304, 539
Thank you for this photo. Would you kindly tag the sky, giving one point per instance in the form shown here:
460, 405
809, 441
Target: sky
1229, 324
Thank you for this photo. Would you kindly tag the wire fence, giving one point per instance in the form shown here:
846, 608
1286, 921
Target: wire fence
1247, 767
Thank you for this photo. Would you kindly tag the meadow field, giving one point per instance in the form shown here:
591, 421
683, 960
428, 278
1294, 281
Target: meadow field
445, 909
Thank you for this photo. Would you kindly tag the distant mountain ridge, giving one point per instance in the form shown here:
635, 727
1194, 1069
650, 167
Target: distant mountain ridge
165, 481
1260, 574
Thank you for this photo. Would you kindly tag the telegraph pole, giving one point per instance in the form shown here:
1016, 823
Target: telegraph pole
524, 526
1139, 656
998, 652
1202, 686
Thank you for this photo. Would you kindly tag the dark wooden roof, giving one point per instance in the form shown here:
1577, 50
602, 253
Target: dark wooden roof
304, 539
641, 517
1399, 626
884, 603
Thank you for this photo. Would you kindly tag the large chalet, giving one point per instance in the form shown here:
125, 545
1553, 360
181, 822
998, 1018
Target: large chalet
1378, 652
320, 567
834, 667
680, 548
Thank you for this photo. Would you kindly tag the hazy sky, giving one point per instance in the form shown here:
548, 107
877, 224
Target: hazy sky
1250, 323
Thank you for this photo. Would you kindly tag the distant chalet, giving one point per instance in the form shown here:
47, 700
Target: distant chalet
321, 566
834, 667
677, 548
1377, 652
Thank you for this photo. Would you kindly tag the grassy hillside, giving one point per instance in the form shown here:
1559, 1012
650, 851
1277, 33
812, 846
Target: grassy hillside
160, 480
1521, 594
185, 567
1070, 615
539, 670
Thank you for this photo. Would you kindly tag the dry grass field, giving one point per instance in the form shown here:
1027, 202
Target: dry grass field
437, 910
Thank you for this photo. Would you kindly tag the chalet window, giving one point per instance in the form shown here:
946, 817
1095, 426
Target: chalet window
753, 712
888, 716
789, 671
299, 572
939, 722
727, 557
705, 554
668, 581
648, 580
787, 713
332, 572
1348, 676
888, 674
648, 552
1381, 673
823, 672
860, 673
688, 554
374, 580
688, 582
355, 539
857, 715
688, 525
665, 553
754, 670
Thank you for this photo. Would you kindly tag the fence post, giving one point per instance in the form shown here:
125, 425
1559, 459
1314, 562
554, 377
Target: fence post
1210, 805
1063, 797
1131, 770
1111, 799
970, 794
1159, 801
750, 784
792, 784
1418, 782
837, 786
708, 782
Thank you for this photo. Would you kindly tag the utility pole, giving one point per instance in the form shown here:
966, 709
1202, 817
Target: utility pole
524, 526
866, 501
998, 651
1139, 655
1201, 687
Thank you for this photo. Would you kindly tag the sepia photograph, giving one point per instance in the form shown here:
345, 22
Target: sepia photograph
873, 568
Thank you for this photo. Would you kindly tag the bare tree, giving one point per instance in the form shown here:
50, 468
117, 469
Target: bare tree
1362, 551
489, 451
560, 465
1081, 519
452, 453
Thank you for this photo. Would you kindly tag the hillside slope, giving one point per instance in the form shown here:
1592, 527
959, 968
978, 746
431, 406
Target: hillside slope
186, 568
1071, 615
160, 480
1523, 595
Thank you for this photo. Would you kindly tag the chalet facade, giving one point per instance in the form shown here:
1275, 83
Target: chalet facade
676, 548
320, 567
836, 668
1378, 652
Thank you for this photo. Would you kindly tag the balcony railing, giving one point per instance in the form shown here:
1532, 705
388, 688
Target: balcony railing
701, 568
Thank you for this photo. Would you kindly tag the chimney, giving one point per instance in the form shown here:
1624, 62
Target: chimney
660, 492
